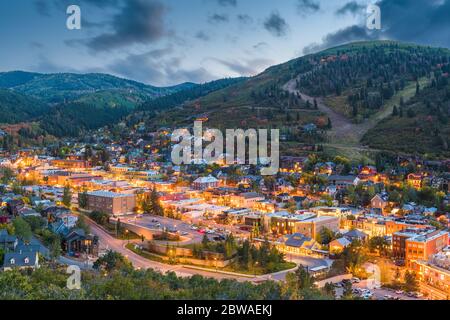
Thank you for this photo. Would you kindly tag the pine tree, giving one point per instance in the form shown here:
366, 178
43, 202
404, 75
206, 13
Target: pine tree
67, 196
395, 111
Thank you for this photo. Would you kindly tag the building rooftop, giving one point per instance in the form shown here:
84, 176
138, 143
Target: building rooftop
107, 194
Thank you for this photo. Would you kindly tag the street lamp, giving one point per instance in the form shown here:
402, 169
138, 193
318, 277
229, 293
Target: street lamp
126, 236
215, 261
256, 266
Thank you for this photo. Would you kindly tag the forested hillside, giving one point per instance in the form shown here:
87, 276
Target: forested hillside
15, 107
420, 125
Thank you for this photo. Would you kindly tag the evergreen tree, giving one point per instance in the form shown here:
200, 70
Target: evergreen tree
67, 196
395, 111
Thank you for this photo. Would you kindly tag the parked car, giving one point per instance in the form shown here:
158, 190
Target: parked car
418, 294
399, 292
367, 295
355, 280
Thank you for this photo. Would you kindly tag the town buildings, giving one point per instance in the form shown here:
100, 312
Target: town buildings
111, 202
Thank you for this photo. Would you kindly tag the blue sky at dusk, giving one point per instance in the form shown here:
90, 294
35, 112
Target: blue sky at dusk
165, 42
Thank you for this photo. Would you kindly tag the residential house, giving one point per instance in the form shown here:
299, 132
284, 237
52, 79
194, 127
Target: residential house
338, 245
21, 260
380, 202
204, 183
298, 243
7, 242
77, 242
355, 234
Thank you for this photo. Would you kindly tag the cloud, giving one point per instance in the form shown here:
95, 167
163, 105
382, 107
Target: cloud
139, 22
36, 45
260, 45
351, 7
244, 19
218, 18
420, 21
224, 3
246, 68
157, 68
201, 35
42, 7
349, 34
276, 25
307, 6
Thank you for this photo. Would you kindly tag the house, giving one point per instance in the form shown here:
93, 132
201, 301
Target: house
342, 182
204, 183
380, 202
415, 180
7, 242
298, 243
246, 199
54, 211
76, 242
21, 260
355, 234
338, 245
28, 212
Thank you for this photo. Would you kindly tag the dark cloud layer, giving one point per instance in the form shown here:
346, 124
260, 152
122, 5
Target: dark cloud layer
420, 21
276, 25
140, 21
157, 68
351, 7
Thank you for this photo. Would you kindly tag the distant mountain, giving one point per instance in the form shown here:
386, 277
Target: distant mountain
67, 87
66, 103
92, 111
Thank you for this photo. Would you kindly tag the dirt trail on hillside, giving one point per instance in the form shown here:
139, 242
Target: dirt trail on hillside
344, 131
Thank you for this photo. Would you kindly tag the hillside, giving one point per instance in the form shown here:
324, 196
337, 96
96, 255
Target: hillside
15, 107
419, 125
345, 91
91, 112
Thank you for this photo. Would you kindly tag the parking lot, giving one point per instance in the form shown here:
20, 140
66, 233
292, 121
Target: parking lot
360, 288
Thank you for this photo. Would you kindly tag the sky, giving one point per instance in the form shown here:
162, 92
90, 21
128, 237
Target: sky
167, 42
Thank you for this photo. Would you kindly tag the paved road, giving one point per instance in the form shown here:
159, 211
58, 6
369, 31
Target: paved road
145, 221
107, 242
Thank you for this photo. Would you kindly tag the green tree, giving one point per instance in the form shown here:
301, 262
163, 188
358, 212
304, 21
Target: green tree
112, 261
411, 282
82, 224
67, 196
22, 229
83, 200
